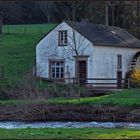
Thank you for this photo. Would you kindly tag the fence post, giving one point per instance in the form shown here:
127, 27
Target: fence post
128, 83
2, 72
1, 23
73, 80
10, 81
8, 28
40, 81
16, 73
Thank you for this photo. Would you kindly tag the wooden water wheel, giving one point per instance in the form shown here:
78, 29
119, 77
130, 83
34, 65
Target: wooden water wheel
135, 62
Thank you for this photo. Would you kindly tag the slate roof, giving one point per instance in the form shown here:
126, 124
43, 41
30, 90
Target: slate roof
105, 35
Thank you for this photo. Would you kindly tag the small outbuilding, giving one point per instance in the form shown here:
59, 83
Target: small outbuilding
86, 50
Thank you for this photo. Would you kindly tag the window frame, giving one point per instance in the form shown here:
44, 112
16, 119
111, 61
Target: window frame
119, 61
63, 39
56, 67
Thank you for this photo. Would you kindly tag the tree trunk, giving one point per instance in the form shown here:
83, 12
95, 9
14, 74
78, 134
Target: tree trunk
1, 23
77, 62
106, 13
113, 15
138, 25
48, 18
78, 77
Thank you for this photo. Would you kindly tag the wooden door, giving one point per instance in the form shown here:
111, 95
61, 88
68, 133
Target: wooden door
119, 79
82, 72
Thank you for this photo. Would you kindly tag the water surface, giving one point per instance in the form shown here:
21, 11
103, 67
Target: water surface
19, 124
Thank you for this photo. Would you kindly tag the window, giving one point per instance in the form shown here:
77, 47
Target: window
119, 61
62, 41
56, 69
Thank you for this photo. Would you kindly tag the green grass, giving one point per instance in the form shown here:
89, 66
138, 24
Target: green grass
28, 29
127, 97
18, 48
68, 133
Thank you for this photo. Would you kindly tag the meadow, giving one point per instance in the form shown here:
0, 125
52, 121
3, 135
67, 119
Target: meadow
69, 133
18, 44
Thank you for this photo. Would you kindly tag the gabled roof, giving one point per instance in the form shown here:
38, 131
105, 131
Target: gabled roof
105, 35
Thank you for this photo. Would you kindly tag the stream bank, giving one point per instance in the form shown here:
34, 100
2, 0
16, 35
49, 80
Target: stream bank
68, 112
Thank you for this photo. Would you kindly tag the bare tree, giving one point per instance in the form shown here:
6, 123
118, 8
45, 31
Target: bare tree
70, 10
3, 13
75, 8
78, 50
112, 4
1, 22
138, 18
97, 12
106, 13
47, 8
77, 46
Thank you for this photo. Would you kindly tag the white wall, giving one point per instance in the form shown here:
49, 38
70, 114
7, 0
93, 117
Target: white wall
105, 61
48, 48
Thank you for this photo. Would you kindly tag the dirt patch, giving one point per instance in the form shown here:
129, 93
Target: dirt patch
69, 112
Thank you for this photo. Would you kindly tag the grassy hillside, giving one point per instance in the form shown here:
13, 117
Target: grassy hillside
126, 97
17, 46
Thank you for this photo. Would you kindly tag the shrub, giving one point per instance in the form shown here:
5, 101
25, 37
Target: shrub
62, 90
3, 95
24, 88
135, 77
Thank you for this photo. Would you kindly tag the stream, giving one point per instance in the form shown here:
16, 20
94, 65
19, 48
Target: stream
20, 124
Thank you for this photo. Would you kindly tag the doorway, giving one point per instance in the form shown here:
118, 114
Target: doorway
82, 71
119, 79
